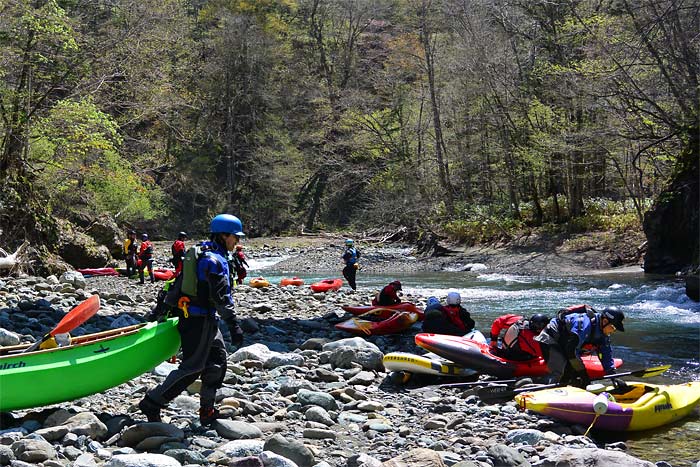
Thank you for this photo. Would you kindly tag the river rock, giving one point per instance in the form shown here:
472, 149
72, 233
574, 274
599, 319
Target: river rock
142, 460
562, 456
290, 449
231, 429
33, 450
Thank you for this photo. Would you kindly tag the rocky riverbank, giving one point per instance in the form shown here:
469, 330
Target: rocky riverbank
298, 392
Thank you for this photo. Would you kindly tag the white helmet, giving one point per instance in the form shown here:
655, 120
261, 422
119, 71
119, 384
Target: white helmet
453, 298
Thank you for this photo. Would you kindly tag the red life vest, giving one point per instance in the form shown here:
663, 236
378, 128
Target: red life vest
452, 313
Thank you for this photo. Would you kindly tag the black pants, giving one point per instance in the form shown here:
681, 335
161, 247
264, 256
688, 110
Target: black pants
564, 367
146, 263
130, 266
203, 356
349, 272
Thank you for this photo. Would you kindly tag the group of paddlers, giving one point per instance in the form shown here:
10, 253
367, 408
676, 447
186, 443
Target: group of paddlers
139, 257
560, 340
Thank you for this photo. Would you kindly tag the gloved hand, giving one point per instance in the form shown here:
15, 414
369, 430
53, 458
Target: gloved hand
236, 332
493, 345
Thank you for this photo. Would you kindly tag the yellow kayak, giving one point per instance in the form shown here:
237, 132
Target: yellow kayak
636, 407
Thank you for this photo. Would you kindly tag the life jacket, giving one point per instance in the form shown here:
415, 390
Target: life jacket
193, 290
351, 256
501, 324
146, 251
452, 313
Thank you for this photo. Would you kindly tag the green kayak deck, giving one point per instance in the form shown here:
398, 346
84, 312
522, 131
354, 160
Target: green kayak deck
91, 364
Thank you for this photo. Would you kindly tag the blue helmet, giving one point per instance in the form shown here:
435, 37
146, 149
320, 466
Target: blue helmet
432, 301
349, 242
227, 223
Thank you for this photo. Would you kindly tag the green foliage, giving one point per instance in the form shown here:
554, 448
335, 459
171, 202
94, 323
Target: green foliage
75, 149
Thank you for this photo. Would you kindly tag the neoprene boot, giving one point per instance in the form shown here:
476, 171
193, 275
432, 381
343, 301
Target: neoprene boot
207, 415
150, 409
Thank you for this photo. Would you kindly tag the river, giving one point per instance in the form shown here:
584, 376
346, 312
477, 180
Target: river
662, 326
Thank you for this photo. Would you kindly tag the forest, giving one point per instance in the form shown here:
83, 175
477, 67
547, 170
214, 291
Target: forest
474, 119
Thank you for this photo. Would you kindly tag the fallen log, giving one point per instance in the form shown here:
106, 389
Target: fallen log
9, 261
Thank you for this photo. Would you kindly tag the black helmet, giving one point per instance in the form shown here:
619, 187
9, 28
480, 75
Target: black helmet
132, 232
182, 235
538, 322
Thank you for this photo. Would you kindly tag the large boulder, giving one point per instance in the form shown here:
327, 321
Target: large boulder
106, 232
672, 226
81, 250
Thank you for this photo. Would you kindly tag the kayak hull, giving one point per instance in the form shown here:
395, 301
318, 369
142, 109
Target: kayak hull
642, 406
412, 363
98, 271
327, 285
294, 281
359, 310
259, 283
396, 322
91, 364
477, 355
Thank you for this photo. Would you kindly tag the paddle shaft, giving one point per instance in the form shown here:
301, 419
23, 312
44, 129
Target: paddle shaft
504, 392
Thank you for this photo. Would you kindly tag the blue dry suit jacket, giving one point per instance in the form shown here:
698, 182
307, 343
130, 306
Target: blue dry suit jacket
589, 332
213, 269
351, 256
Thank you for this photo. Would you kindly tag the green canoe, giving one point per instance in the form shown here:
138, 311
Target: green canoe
91, 364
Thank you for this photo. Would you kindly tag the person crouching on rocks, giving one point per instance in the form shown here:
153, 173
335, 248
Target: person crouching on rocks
203, 347
389, 295
452, 319
517, 336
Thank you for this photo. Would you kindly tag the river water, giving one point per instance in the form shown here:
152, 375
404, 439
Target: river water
662, 327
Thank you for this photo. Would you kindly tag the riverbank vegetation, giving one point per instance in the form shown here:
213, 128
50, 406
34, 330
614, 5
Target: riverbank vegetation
473, 119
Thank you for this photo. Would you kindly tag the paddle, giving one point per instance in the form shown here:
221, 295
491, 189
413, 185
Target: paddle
74, 318
477, 383
494, 393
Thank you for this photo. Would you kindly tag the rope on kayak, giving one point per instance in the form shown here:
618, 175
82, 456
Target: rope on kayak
592, 423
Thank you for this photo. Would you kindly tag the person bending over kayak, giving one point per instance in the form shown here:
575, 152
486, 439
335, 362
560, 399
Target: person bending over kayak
517, 336
203, 348
351, 255
389, 295
565, 335
452, 319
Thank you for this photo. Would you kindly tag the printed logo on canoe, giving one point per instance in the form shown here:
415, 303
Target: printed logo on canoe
11, 366
662, 407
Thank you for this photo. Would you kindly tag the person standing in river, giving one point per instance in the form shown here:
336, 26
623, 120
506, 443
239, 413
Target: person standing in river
203, 347
351, 255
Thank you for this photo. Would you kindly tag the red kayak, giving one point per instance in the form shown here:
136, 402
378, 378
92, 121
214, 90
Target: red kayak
379, 322
476, 355
163, 274
327, 285
98, 271
403, 306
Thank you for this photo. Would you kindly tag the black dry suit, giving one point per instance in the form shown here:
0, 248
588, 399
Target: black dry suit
203, 348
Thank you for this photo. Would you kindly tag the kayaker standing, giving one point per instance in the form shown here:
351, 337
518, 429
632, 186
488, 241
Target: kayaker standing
452, 319
203, 346
517, 336
130, 248
178, 251
351, 255
389, 295
240, 264
563, 338
146, 257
